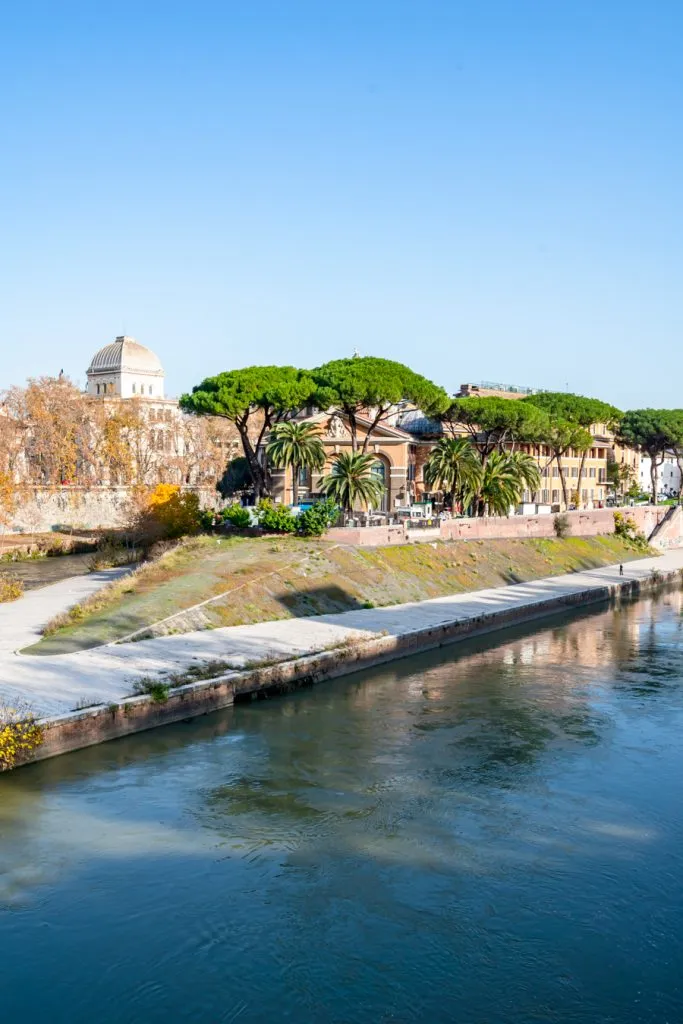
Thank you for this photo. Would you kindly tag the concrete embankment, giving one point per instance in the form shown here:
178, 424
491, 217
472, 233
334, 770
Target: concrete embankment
354, 640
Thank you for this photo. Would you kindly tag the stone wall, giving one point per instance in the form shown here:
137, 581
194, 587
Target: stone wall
44, 509
582, 524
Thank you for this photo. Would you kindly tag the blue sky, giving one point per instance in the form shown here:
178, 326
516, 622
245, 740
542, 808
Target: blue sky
484, 190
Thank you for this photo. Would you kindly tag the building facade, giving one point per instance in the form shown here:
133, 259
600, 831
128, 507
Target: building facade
390, 446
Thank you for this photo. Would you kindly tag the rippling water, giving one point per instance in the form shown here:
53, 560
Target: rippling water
491, 833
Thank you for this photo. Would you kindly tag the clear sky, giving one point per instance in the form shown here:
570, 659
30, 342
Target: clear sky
484, 189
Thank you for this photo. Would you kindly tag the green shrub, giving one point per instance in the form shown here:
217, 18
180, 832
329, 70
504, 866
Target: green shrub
207, 518
275, 518
156, 690
626, 528
237, 516
314, 521
562, 525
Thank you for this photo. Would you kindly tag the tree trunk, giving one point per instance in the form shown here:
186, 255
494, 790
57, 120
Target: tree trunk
679, 463
354, 431
563, 483
256, 470
653, 478
295, 484
582, 466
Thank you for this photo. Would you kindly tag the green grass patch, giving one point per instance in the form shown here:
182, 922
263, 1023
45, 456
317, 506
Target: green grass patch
255, 580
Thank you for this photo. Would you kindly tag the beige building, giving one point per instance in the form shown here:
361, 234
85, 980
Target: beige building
585, 475
390, 446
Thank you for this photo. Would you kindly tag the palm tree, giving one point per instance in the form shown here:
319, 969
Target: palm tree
454, 467
350, 480
526, 468
296, 445
504, 479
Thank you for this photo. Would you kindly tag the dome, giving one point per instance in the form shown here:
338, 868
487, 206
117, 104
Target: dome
125, 355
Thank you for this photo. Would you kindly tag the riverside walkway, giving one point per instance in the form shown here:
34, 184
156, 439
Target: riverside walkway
55, 685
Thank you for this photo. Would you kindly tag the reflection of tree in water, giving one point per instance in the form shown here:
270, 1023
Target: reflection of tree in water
481, 713
654, 661
503, 721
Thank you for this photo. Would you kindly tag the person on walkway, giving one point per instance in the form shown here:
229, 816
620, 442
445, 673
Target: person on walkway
621, 570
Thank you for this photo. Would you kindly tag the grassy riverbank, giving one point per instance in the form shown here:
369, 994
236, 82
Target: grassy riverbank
257, 579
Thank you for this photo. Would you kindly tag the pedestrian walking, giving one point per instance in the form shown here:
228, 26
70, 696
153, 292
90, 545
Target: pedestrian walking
621, 570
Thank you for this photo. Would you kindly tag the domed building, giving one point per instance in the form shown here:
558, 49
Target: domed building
126, 369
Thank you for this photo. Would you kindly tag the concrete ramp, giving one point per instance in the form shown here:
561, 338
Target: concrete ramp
669, 533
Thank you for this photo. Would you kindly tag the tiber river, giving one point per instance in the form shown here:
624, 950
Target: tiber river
490, 833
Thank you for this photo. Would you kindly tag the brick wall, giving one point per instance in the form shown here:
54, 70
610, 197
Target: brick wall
582, 524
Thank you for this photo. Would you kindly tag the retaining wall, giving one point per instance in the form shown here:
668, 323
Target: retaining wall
582, 524
44, 509
136, 714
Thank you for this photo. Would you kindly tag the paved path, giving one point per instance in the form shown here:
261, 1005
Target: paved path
22, 621
57, 684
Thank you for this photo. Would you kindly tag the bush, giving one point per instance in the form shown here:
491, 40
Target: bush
314, 521
166, 513
153, 688
207, 518
237, 516
626, 528
19, 734
11, 587
562, 525
275, 518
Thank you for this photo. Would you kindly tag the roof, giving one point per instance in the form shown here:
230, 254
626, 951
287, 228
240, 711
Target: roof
126, 354
414, 421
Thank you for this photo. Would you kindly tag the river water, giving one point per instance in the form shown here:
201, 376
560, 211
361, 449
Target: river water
39, 572
489, 833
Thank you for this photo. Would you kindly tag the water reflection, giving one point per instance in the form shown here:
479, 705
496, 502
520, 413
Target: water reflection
486, 832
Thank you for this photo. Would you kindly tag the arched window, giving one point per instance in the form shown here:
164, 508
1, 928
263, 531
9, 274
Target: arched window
98, 389
150, 389
379, 471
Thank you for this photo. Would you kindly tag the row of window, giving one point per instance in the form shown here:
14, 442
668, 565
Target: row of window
543, 451
109, 389
554, 496
590, 471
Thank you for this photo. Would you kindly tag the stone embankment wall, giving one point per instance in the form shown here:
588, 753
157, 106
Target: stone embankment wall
44, 509
582, 524
135, 714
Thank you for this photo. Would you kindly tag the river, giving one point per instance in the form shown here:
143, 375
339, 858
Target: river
39, 572
488, 833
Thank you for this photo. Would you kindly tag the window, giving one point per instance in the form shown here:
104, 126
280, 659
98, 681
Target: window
98, 389
544, 495
150, 389
591, 472
304, 477
378, 470
584, 495
556, 496
133, 388
556, 471
545, 471
575, 471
